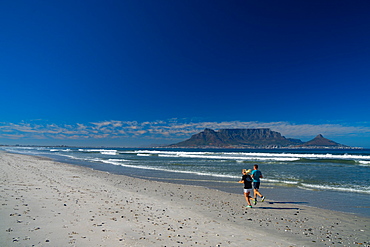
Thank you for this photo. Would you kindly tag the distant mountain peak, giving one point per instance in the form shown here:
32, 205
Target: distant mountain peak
320, 140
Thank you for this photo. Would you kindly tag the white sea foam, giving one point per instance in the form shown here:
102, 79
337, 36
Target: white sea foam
239, 155
115, 162
109, 152
364, 162
120, 160
337, 188
71, 156
95, 150
252, 155
224, 157
310, 156
279, 181
102, 151
290, 182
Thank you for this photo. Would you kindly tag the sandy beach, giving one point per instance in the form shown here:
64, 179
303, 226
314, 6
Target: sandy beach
46, 203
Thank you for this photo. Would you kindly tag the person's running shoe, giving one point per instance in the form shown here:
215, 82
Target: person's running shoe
262, 199
255, 201
249, 206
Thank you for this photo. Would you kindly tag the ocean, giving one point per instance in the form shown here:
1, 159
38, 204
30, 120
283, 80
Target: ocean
332, 179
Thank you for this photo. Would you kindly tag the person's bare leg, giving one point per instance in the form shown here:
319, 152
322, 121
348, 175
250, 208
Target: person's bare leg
256, 192
247, 198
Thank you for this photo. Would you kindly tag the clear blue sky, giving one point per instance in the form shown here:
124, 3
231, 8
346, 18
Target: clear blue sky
129, 73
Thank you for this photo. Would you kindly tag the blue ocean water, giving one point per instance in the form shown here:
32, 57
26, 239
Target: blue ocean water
325, 174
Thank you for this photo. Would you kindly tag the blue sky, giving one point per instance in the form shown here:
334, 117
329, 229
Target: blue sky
132, 73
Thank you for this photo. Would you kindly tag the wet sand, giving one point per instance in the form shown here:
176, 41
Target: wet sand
46, 203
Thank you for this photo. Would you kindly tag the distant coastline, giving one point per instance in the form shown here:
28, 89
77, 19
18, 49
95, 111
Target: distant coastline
263, 147
253, 139
193, 147
262, 138
197, 147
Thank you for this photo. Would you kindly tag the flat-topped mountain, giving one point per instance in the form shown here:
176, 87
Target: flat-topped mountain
250, 138
237, 137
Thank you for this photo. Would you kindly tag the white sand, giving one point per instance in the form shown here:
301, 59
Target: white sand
45, 203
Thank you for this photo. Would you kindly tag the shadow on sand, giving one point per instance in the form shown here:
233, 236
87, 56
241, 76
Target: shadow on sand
280, 208
288, 202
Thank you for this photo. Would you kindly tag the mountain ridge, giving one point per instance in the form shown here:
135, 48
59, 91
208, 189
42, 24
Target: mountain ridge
251, 138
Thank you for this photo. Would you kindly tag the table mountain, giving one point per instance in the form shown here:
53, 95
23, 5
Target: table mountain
237, 137
252, 138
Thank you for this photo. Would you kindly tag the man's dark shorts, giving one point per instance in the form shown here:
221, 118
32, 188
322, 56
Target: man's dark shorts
256, 185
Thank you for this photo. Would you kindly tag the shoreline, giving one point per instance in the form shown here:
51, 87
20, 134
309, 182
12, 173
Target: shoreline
283, 194
50, 203
354, 203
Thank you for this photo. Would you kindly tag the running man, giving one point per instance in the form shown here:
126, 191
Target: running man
256, 175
